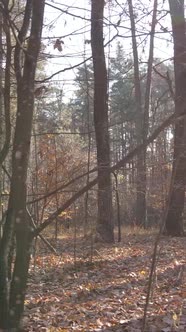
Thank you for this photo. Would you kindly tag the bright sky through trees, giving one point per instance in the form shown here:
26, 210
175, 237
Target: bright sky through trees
70, 23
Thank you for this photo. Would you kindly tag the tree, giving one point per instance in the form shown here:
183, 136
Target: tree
142, 111
122, 106
17, 221
82, 106
105, 222
174, 218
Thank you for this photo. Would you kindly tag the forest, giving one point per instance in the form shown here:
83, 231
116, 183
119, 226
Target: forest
92, 165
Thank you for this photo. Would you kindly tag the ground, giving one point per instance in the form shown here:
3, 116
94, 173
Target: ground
96, 287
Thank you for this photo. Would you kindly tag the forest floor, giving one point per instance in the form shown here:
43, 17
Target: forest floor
94, 287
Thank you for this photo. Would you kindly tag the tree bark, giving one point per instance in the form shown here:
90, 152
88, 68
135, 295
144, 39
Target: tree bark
105, 227
1, 114
174, 219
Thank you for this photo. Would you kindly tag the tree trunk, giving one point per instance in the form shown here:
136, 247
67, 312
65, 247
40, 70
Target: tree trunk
1, 115
174, 219
5, 93
141, 171
105, 227
12, 298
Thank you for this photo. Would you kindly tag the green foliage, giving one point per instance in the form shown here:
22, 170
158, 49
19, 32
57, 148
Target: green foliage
122, 94
82, 106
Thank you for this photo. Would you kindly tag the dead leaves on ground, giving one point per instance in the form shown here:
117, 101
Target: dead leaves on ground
109, 293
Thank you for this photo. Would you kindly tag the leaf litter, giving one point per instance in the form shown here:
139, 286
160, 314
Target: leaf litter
104, 288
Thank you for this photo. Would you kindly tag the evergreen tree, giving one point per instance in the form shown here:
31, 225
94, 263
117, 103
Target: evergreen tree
122, 110
82, 106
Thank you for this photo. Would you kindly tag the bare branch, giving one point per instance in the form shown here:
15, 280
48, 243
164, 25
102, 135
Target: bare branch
62, 71
67, 12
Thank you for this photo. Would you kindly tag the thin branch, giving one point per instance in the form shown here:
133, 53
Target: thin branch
67, 12
63, 70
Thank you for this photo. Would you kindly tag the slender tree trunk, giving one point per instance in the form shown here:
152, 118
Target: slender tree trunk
105, 227
86, 217
12, 298
141, 172
1, 115
5, 96
5, 242
174, 220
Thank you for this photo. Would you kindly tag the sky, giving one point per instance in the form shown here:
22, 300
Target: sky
73, 30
